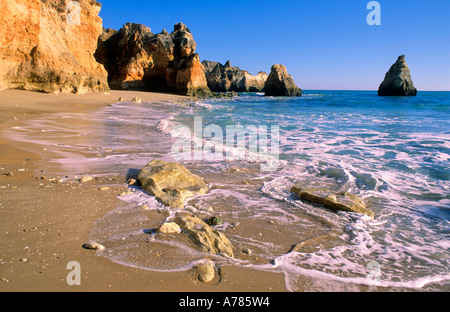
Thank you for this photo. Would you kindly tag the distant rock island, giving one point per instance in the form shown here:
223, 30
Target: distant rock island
280, 83
398, 81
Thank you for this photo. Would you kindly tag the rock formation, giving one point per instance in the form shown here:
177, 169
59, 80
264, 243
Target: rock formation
342, 201
204, 235
225, 78
171, 183
135, 58
280, 83
49, 46
397, 81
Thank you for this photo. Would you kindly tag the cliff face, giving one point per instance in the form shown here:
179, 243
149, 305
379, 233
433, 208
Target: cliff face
280, 83
49, 46
398, 81
225, 78
135, 58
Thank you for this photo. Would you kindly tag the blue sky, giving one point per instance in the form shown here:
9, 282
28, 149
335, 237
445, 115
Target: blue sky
325, 44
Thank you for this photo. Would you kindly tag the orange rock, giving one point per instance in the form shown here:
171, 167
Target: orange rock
49, 46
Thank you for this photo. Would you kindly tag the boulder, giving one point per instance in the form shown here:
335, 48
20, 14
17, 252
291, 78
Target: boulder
138, 59
341, 201
225, 78
170, 182
398, 81
204, 235
280, 83
48, 46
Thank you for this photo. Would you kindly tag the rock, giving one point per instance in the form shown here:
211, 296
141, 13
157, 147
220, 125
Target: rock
48, 46
131, 181
103, 188
171, 183
214, 221
135, 58
85, 179
246, 251
202, 234
169, 228
280, 83
335, 201
136, 100
397, 81
93, 246
129, 192
317, 243
225, 78
205, 271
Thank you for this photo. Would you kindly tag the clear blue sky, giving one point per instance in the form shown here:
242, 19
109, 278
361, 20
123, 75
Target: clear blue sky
325, 44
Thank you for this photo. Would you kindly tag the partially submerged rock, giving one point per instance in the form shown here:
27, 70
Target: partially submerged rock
342, 201
398, 81
202, 234
170, 182
280, 83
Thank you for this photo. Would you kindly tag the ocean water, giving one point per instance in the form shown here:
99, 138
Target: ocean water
393, 152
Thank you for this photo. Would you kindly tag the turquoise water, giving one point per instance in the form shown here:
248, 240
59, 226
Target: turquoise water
393, 152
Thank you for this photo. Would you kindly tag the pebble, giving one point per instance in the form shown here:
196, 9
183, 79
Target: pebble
126, 193
169, 228
103, 188
131, 182
93, 246
246, 251
136, 100
85, 179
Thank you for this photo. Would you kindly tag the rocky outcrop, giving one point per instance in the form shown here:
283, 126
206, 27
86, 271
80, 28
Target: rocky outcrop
171, 183
137, 59
397, 81
280, 83
203, 235
225, 78
342, 201
49, 46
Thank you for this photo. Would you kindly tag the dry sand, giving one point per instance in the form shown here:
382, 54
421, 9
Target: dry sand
44, 223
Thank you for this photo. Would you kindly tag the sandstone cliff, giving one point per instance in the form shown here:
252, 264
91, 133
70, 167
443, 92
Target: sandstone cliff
225, 78
280, 83
49, 46
135, 58
398, 81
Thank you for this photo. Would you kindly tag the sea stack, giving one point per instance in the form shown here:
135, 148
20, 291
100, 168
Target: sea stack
397, 81
280, 83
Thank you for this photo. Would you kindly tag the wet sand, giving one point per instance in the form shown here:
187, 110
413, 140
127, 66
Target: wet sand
45, 221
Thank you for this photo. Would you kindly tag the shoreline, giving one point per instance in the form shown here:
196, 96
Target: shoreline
45, 221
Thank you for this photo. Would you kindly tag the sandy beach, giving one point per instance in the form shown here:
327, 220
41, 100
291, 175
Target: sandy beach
45, 221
